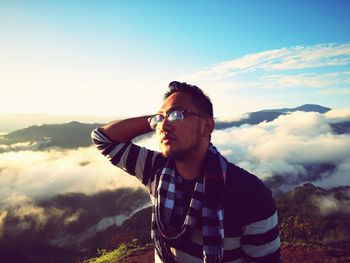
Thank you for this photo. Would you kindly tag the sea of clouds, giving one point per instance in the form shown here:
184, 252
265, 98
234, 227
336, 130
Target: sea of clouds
292, 146
298, 147
55, 195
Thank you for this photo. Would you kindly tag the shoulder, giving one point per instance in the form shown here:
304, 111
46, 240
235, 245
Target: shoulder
243, 181
252, 198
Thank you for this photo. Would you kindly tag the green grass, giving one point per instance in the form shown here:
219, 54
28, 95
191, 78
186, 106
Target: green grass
116, 255
110, 256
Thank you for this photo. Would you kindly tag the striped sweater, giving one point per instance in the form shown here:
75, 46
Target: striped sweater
250, 223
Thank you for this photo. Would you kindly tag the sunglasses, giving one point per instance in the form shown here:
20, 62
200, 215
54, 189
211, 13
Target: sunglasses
175, 117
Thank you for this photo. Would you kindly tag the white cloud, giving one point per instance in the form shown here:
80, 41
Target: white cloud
337, 115
281, 68
299, 57
277, 77
287, 146
28, 177
45, 174
341, 92
339, 177
324, 55
314, 80
3, 215
329, 204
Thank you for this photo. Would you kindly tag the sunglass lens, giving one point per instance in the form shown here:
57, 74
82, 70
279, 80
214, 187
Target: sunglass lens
155, 120
175, 116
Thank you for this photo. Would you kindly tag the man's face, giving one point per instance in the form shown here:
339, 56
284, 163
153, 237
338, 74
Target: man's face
181, 140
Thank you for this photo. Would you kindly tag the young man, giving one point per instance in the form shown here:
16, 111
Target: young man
205, 209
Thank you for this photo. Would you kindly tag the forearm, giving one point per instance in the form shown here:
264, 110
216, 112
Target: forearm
127, 129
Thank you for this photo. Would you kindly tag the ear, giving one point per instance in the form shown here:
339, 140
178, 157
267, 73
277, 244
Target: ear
208, 126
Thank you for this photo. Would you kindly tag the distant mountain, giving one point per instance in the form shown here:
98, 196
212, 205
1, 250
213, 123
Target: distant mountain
305, 108
341, 127
15, 121
70, 135
252, 118
257, 117
75, 134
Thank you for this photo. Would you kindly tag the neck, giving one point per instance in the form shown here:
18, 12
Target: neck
190, 168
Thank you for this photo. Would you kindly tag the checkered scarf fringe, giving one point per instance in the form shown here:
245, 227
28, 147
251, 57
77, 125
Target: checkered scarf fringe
206, 207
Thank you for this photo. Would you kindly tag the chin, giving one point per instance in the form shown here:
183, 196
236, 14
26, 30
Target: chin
175, 155
166, 153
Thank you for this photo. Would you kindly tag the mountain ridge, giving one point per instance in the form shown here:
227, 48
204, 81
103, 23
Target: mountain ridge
69, 135
304, 107
76, 134
257, 117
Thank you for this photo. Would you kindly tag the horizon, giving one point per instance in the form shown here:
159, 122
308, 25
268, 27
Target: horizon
93, 58
10, 122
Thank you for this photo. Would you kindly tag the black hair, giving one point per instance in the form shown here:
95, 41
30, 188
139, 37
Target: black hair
199, 98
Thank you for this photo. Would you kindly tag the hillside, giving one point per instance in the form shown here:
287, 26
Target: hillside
68, 226
315, 224
312, 227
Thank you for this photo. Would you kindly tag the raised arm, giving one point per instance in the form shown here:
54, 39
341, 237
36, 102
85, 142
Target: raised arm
114, 141
127, 129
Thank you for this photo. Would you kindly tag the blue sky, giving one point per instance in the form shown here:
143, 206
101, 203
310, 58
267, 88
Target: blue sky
117, 57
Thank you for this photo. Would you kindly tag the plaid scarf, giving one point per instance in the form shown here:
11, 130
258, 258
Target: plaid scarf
206, 207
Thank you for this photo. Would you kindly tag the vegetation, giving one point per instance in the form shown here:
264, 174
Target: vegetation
307, 234
314, 226
121, 253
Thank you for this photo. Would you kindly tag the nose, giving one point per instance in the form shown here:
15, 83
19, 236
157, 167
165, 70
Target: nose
165, 126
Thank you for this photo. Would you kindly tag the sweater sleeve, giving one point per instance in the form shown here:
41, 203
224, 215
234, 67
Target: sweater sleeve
260, 237
251, 210
135, 160
260, 240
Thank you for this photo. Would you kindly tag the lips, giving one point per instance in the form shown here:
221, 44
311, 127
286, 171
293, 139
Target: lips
167, 138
